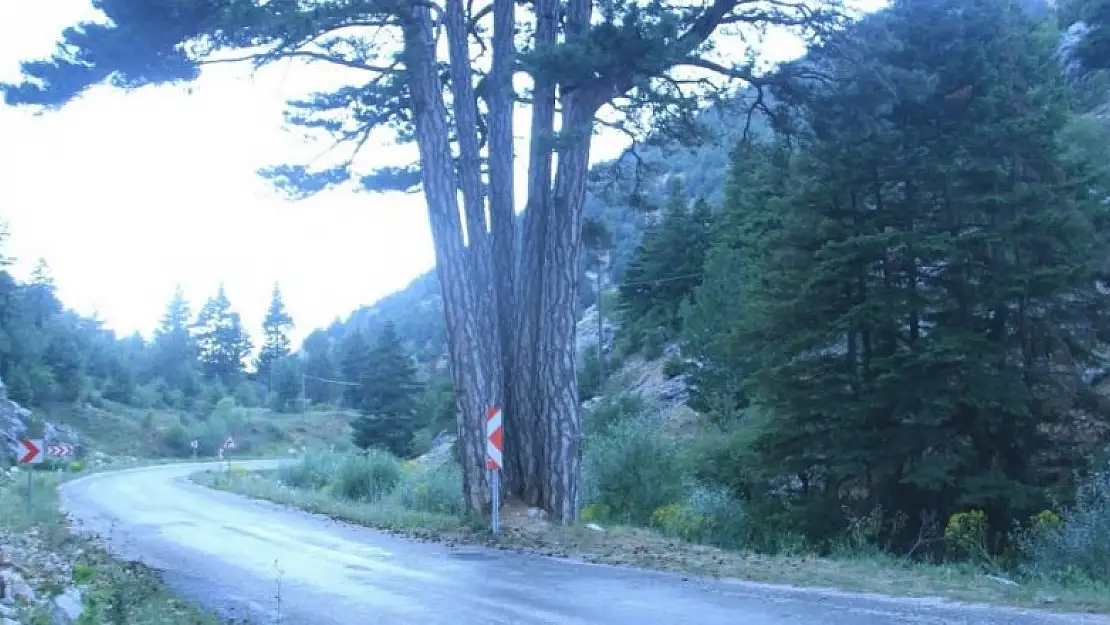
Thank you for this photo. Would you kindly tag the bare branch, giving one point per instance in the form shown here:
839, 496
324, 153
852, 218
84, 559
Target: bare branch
266, 57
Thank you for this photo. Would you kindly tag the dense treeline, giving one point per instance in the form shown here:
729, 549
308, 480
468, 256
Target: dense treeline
52, 355
902, 311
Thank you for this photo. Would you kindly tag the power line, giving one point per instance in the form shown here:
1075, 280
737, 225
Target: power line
312, 377
304, 393
661, 280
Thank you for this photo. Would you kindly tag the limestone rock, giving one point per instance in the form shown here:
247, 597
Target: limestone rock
66, 608
14, 589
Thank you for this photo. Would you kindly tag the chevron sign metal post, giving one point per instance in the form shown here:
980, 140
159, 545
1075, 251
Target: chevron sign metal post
494, 444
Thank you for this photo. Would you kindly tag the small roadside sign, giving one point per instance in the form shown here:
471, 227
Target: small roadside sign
494, 445
30, 451
494, 439
59, 450
229, 444
195, 444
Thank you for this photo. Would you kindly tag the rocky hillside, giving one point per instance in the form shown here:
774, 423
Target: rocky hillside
17, 422
13, 423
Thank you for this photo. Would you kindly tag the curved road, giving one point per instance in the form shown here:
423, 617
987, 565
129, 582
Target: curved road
258, 561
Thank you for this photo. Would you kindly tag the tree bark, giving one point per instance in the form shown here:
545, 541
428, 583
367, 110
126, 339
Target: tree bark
500, 99
470, 373
558, 374
469, 171
528, 433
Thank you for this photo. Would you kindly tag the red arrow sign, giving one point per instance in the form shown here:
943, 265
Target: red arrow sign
31, 452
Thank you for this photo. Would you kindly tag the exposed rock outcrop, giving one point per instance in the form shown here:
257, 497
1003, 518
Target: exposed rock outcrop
13, 425
36, 579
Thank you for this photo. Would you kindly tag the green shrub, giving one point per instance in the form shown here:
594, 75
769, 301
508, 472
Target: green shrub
147, 396
589, 377
209, 434
272, 431
1077, 542
367, 477
673, 367
611, 411
313, 471
175, 441
233, 416
632, 470
248, 394
438, 490
174, 398
422, 441
680, 521
965, 535
725, 522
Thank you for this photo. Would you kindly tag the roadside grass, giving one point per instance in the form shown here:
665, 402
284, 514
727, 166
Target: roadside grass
121, 430
426, 504
410, 501
35, 539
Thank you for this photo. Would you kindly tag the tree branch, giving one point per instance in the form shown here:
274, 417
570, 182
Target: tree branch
265, 57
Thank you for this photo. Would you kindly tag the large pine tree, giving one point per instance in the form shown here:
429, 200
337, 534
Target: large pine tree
275, 333
388, 395
223, 342
665, 269
355, 362
174, 350
919, 305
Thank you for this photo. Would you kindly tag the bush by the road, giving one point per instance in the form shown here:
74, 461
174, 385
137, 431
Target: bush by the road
437, 491
636, 474
313, 471
367, 477
631, 471
1075, 543
377, 476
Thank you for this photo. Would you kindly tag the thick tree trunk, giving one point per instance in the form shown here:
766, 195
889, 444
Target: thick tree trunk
469, 171
558, 374
500, 99
529, 432
469, 372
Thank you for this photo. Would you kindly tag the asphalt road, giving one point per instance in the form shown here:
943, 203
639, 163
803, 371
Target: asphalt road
248, 559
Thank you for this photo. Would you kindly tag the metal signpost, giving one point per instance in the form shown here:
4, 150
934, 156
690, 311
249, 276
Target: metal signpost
494, 436
226, 446
30, 452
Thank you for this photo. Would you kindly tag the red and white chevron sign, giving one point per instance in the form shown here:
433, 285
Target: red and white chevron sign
59, 450
494, 435
29, 451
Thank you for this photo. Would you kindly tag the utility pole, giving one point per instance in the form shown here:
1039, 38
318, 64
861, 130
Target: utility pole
602, 261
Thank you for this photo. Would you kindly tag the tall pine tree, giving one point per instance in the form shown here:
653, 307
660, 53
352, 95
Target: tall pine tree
665, 269
275, 332
355, 362
174, 350
388, 397
223, 342
918, 307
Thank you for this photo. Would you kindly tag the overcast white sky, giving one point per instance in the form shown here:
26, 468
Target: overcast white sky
126, 194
